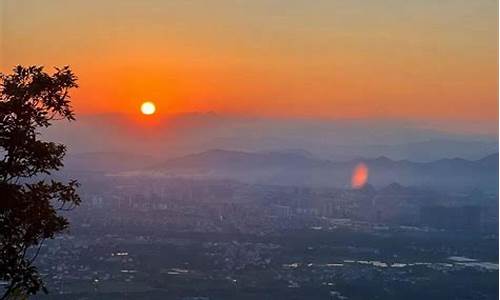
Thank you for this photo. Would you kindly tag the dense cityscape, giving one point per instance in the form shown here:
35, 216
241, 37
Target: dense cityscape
210, 239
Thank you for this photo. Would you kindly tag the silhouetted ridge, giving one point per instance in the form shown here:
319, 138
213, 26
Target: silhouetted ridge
296, 169
226, 159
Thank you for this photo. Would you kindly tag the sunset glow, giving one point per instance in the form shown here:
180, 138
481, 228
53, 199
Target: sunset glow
258, 58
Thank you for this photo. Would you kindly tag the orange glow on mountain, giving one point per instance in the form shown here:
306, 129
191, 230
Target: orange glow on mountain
359, 176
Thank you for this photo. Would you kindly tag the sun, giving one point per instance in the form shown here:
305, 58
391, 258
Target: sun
148, 108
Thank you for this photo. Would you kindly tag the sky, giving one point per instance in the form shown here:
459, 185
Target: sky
424, 60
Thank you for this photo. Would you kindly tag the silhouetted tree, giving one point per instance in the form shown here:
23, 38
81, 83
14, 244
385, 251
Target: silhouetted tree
30, 206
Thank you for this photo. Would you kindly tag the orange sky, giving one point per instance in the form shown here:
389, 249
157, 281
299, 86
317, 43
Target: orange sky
425, 59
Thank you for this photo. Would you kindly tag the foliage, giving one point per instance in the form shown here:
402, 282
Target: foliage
30, 206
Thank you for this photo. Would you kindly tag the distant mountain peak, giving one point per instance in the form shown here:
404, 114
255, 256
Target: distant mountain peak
298, 152
383, 158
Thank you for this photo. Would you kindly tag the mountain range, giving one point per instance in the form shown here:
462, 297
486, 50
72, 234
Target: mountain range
338, 140
299, 168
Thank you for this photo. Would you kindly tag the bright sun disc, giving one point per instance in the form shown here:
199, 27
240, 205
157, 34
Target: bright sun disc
148, 108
